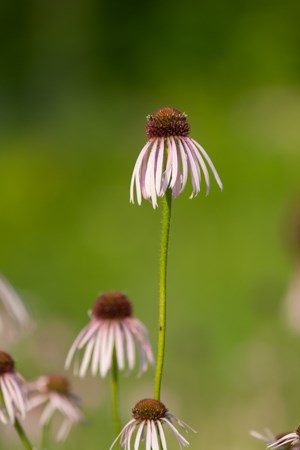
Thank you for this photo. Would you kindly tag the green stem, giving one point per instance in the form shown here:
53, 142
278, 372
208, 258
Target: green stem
22, 435
44, 436
115, 394
165, 232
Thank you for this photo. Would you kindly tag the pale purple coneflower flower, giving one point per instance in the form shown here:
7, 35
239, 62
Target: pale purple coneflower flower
12, 304
12, 403
168, 157
148, 420
54, 393
283, 441
112, 328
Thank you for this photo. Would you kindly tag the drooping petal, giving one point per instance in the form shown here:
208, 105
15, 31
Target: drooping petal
136, 175
159, 166
149, 435
120, 353
150, 174
86, 357
138, 436
196, 153
162, 436
155, 445
210, 163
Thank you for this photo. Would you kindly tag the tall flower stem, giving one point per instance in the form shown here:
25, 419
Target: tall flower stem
22, 435
115, 394
44, 436
165, 232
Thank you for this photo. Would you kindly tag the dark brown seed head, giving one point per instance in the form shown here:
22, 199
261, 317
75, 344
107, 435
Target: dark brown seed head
149, 409
7, 364
167, 122
112, 305
58, 383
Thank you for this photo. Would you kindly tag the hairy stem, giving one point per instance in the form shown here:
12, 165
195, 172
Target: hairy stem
165, 232
115, 394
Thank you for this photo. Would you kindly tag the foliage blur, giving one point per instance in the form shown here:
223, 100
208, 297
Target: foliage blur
77, 81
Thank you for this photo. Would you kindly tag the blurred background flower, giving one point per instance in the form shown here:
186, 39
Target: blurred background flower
77, 81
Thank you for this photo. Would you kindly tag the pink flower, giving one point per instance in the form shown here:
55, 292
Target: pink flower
283, 441
12, 402
168, 157
53, 392
112, 327
148, 419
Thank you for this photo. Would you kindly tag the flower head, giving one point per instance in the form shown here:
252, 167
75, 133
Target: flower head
13, 307
148, 418
112, 328
283, 441
12, 402
54, 392
167, 158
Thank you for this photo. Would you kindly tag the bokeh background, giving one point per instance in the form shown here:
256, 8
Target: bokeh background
77, 81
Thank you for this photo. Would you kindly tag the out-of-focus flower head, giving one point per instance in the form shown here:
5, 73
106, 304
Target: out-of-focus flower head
12, 403
54, 394
168, 157
283, 441
112, 328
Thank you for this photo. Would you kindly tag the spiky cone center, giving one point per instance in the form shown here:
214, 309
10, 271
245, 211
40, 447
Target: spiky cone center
149, 409
58, 384
167, 122
298, 431
7, 364
112, 305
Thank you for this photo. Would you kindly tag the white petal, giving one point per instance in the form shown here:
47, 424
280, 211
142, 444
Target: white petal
179, 437
150, 174
136, 174
162, 436
149, 437
86, 358
175, 163
210, 163
107, 353
74, 346
159, 166
122, 433
194, 170
130, 350
47, 414
184, 165
194, 150
138, 436
155, 444
168, 171
64, 430
120, 353
7, 400
96, 354
16, 393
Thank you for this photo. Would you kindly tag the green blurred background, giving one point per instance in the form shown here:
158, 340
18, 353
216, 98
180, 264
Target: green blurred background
77, 81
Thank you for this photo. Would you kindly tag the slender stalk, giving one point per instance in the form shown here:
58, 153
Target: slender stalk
115, 394
22, 435
44, 436
165, 231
